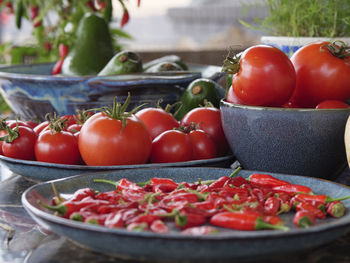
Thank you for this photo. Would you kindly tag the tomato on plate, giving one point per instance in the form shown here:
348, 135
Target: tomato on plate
332, 104
209, 120
56, 145
322, 70
19, 143
262, 76
157, 120
114, 137
171, 146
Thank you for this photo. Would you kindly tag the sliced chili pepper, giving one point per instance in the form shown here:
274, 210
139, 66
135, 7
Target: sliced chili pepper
304, 219
265, 180
243, 221
272, 206
336, 209
158, 226
317, 209
200, 230
292, 189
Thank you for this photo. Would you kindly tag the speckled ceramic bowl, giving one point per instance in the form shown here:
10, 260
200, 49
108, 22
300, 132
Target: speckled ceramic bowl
294, 141
31, 91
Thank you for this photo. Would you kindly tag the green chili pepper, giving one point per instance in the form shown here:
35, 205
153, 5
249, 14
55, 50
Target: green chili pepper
19, 10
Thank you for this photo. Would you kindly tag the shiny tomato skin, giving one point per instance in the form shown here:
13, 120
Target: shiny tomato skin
332, 104
171, 146
266, 77
157, 120
102, 141
209, 120
57, 147
320, 75
232, 97
40, 127
23, 146
202, 145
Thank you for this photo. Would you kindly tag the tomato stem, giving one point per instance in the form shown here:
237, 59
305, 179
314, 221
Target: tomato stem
338, 49
231, 64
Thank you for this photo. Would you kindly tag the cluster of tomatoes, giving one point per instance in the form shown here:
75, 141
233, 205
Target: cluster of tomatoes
316, 76
197, 208
116, 137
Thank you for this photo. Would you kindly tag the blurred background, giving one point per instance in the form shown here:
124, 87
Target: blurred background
201, 31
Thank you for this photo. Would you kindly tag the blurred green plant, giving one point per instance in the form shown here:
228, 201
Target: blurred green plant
305, 18
55, 22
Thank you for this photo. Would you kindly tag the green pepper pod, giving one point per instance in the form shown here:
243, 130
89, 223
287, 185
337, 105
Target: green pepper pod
195, 95
163, 67
19, 10
123, 62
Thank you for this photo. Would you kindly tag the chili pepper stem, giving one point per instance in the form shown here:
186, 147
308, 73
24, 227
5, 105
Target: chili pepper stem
261, 224
330, 199
115, 183
59, 198
59, 208
235, 172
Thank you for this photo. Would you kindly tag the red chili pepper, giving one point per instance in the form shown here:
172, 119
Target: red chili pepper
319, 198
304, 219
120, 217
34, 12
315, 208
111, 196
96, 219
273, 220
265, 180
292, 189
62, 50
336, 209
91, 5
243, 221
235, 192
80, 194
132, 195
235, 181
47, 46
200, 230
57, 67
142, 218
272, 206
164, 185
184, 220
138, 3
126, 184
219, 183
68, 207
125, 17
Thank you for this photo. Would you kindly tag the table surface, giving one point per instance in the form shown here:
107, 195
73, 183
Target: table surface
22, 240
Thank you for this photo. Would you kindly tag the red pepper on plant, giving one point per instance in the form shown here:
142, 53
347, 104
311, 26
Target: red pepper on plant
34, 12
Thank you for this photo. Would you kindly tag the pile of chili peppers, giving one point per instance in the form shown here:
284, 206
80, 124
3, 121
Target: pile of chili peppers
198, 208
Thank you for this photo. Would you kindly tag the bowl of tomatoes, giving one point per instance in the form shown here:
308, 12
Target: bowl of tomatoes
288, 115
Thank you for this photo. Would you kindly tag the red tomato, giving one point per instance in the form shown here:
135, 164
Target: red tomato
13, 123
57, 147
74, 128
266, 77
103, 141
157, 120
320, 75
23, 146
332, 104
209, 120
40, 127
171, 146
232, 97
202, 145
70, 119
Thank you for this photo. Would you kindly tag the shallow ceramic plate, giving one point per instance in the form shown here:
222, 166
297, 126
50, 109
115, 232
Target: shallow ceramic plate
222, 246
50, 171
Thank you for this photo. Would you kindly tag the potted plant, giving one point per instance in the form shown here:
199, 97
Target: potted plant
292, 24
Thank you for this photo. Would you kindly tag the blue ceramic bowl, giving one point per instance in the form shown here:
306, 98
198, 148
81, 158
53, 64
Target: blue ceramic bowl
32, 92
307, 142
224, 246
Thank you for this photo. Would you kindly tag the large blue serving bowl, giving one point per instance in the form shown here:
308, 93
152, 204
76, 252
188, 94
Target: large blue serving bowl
307, 142
32, 92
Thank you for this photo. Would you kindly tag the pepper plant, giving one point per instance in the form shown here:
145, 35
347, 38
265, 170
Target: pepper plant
55, 22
